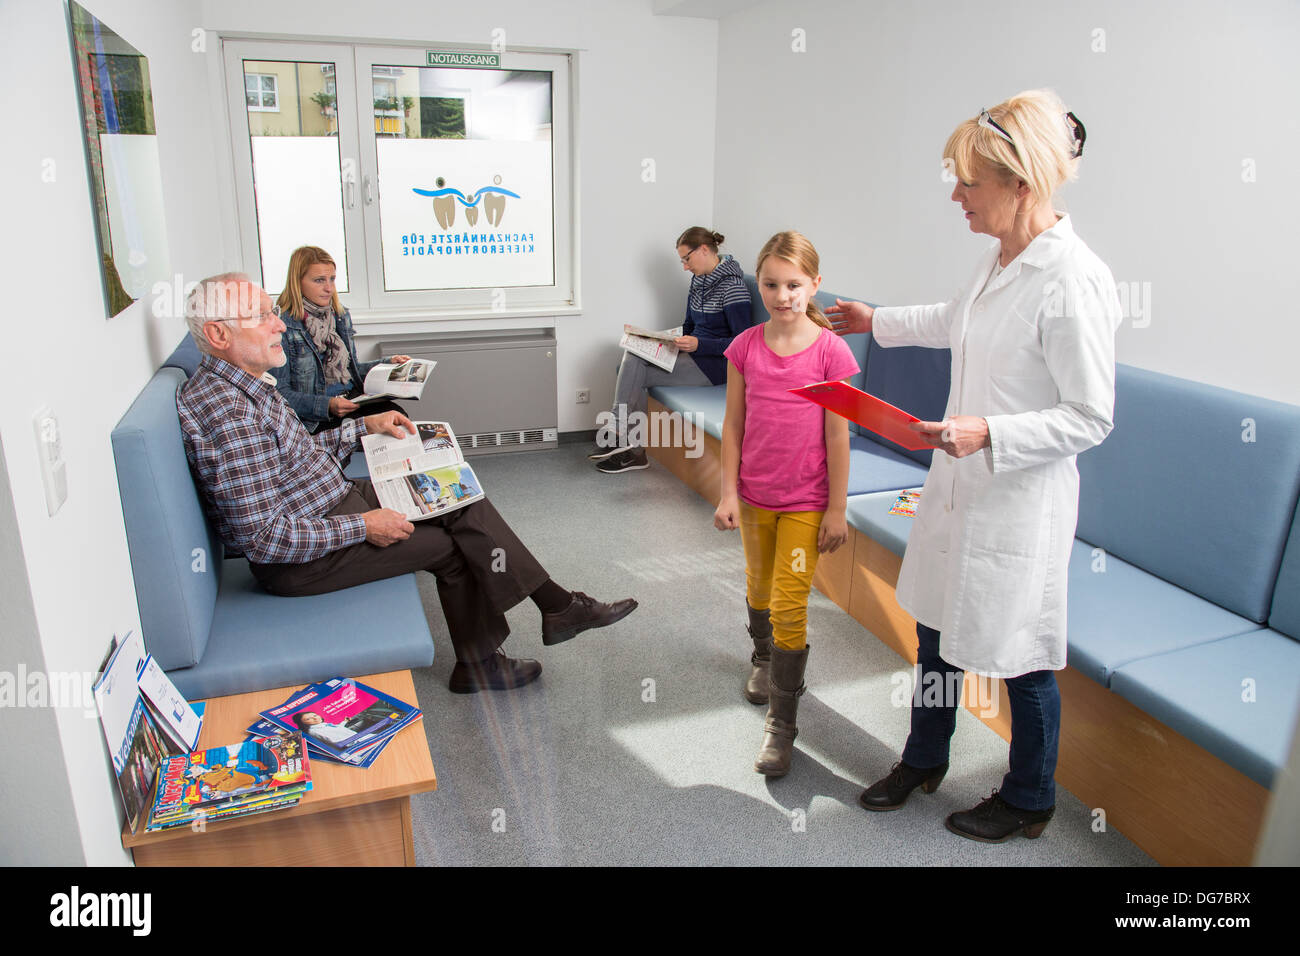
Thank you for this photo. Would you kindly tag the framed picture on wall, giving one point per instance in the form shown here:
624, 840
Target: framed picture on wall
125, 176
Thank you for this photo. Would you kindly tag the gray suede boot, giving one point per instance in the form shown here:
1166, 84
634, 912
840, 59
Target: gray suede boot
785, 688
760, 629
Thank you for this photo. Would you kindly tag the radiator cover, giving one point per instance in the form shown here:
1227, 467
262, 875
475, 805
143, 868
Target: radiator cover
497, 390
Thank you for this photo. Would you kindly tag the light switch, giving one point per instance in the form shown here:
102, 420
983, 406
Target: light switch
49, 449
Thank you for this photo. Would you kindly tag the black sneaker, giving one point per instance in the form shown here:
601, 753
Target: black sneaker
629, 459
996, 821
601, 452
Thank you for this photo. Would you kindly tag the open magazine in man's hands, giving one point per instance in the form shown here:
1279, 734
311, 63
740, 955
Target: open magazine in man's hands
387, 380
421, 475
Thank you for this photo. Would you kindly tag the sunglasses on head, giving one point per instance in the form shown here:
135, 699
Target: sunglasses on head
1077, 133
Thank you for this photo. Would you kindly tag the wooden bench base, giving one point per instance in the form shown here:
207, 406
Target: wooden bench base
1175, 800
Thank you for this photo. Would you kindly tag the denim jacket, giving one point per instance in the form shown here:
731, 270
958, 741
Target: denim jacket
301, 380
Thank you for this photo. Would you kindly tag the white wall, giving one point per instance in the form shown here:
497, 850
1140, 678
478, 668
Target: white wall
77, 564
645, 90
843, 143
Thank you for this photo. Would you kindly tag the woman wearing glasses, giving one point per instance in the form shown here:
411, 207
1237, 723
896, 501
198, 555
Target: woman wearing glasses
1033, 373
321, 368
717, 310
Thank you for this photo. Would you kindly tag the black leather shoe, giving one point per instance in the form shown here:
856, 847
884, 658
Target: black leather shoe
582, 614
892, 792
498, 672
996, 821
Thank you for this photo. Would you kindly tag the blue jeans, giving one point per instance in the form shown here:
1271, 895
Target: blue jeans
1035, 725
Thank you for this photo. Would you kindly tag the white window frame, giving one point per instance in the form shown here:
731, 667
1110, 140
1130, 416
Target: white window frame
367, 300
261, 106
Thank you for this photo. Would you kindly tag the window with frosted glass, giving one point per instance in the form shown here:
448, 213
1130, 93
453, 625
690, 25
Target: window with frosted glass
297, 178
465, 168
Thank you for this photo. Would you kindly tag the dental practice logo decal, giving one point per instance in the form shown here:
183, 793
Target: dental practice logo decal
445, 198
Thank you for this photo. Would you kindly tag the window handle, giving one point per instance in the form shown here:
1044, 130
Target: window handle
352, 193
365, 186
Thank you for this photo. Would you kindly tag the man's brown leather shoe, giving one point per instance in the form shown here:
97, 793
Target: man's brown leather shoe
498, 672
582, 614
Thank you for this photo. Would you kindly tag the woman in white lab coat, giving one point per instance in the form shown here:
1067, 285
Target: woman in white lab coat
1033, 381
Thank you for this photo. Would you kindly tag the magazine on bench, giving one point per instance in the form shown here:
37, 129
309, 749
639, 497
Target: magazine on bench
657, 348
386, 380
421, 475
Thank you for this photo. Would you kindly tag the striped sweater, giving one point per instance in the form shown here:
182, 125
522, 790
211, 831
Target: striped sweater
717, 310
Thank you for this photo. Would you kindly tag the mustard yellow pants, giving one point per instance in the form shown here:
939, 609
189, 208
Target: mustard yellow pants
780, 558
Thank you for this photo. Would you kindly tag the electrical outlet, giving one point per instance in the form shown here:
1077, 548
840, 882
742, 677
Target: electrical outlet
584, 396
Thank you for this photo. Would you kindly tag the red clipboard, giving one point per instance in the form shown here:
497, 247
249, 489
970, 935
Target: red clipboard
867, 410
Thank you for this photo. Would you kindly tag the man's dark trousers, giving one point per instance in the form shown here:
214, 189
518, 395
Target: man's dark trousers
482, 568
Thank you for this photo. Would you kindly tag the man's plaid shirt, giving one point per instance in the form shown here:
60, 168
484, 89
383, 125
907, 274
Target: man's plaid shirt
267, 484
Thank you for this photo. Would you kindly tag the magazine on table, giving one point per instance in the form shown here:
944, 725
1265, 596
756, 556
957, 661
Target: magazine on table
366, 755
657, 348
343, 718
178, 719
421, 475
387, 380
134, 743
260, 774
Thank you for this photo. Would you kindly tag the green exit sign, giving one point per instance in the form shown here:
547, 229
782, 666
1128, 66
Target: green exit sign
474, 61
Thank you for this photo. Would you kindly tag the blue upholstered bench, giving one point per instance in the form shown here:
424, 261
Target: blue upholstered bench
203, 617
1198, 621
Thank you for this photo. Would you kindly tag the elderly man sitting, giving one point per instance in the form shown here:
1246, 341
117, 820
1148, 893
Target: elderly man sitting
278, 496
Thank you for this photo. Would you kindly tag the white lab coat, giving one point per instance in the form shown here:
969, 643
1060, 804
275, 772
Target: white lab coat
1034, 354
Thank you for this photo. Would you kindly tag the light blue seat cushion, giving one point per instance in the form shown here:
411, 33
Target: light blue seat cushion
261, 641
1198, 692
1285, 615
1123, 614
706, 405
176, 558
1176, 491
873, 467
870, 515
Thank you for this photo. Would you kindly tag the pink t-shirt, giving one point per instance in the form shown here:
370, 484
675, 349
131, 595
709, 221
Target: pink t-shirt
783, 453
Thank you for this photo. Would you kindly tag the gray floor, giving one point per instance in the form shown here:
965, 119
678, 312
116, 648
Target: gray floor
635, 746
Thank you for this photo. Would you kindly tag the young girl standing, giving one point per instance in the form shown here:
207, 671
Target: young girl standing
785, 473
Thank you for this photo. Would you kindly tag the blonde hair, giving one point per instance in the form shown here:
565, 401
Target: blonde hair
303, 258
1043, 154
795, 249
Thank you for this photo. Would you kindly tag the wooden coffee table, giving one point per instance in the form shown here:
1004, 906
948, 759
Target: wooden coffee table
351, 816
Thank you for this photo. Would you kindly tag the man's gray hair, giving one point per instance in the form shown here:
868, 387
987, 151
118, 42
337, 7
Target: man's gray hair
217, 297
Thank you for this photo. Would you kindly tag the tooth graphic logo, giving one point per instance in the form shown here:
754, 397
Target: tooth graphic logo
492, 198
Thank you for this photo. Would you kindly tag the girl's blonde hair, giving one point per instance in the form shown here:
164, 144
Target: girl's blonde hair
303, 258
1042, 154
795, 249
